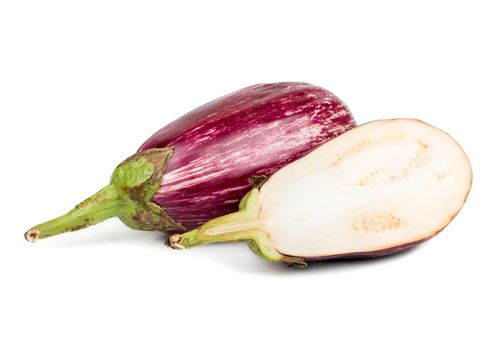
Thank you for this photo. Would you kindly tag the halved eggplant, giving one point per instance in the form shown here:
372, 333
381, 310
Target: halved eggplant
377, 189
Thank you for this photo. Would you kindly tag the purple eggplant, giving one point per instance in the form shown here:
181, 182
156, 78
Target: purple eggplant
200, 166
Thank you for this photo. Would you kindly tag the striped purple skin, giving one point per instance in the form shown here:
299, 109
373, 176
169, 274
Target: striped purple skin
253, 131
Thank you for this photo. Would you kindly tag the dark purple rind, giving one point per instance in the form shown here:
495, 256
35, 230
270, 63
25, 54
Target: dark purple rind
251, 132
370, 254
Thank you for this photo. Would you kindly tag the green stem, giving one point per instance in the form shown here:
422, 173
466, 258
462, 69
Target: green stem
244, 225
101, 206
128, 196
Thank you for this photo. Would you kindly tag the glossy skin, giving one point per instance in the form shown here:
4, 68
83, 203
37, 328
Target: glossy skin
251, 132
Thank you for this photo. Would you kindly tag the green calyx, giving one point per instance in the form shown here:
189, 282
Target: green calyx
244, 225
128, 196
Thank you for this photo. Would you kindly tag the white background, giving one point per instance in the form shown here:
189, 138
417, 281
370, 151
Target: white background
83, 83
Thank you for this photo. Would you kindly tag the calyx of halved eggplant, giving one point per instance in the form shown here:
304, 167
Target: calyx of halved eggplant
377, 189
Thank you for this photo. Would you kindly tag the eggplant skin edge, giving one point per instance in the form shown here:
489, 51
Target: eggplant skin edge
370, 254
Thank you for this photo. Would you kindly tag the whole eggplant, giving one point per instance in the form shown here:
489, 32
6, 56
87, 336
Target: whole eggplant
199, 166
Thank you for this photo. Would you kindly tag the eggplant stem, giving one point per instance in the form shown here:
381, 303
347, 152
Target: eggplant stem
97, 208
244, 225
128, 196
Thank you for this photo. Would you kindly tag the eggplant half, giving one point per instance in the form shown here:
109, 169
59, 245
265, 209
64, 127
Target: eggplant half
380, 188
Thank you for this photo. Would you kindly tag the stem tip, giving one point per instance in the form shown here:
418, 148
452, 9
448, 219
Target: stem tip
32, 235
174, 241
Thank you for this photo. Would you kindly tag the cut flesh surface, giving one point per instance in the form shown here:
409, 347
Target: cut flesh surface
382, 185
